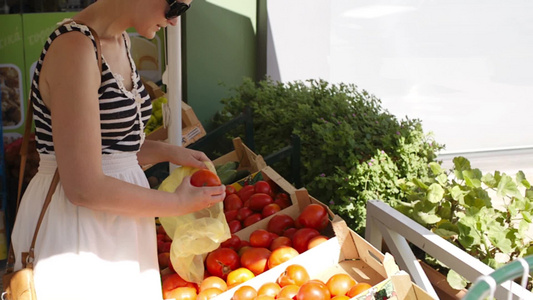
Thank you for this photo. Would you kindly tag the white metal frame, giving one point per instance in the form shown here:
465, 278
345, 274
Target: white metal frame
384, 223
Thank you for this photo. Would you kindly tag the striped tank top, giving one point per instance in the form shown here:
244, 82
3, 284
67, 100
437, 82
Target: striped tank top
123, 113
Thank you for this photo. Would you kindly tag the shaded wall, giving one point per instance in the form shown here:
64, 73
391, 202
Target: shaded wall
219, 49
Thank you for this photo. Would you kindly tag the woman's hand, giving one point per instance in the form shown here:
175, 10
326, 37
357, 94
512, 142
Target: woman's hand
153, 152
189, 157
197, 198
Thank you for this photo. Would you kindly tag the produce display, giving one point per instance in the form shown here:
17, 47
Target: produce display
156, 119
253, 203
229, 172
283, 244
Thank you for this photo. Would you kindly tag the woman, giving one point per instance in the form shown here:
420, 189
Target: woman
98, 239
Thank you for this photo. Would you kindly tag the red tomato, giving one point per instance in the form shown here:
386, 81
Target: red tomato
280, 241
175, 281
293, 274
163, 259
244, 243
313, 216
160, 230
245, 292
283, 200
255, 259
181, 293
289, 232
251, 219
281, 255
313, 290
232, 202
234, 225
165, 273
279, 223
261, 238
222, 261
246, 192
234, 242
358, 288
204, 177
163, 246
243, 213
301, 238
289, 291
315, 241
209, 293
230, 215
230, 189
239, 276
260, 200
340, 284
269, 289
213, 282
270, 209
262, 187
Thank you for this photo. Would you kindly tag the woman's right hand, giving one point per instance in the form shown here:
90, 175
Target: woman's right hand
197, 198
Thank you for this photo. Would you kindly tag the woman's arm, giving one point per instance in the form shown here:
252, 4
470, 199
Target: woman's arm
69, 83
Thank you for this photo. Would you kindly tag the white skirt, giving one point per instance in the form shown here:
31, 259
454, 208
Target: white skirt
85, 254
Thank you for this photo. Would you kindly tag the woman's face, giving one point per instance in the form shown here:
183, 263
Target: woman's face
158, 9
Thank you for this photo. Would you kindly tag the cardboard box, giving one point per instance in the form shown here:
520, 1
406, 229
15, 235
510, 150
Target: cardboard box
346, 252
192, 129
246, 158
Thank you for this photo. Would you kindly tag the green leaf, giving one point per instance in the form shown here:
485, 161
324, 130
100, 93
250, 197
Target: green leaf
442, 179
489, 180
458, 194
435, 168
472, 178
428, 218
435, 193
461, 164
498, 238
521, 179
526, 215
420, 184
456, 281
507, 187
445, 234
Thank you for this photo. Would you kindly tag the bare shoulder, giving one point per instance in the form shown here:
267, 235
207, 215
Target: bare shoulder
70, 60
71, 55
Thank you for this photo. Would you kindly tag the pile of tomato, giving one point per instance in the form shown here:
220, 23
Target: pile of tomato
237, 260
252, 203
294, 283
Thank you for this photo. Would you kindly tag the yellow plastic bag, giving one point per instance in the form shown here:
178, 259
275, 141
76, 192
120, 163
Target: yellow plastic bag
193, 235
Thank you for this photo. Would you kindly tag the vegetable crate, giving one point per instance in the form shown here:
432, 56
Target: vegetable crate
246, 159
348, 253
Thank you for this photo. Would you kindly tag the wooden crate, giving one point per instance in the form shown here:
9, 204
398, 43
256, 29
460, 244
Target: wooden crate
246, 158
346, 252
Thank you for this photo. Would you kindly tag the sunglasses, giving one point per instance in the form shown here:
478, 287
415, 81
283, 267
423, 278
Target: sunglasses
176, 9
